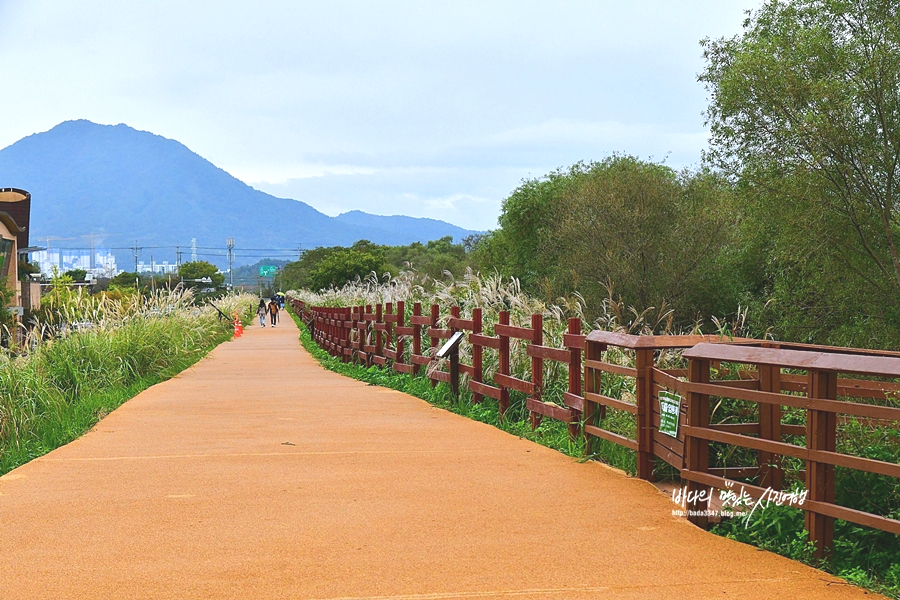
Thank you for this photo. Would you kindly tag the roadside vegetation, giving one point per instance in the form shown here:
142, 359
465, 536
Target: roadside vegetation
86, 355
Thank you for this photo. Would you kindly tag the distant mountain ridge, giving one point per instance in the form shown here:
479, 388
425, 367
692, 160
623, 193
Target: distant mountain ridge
135, 185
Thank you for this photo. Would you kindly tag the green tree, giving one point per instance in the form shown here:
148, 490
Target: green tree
342, 266
805, 114
192, 271
76, 274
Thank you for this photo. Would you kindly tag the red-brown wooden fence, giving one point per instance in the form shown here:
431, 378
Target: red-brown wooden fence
767, 374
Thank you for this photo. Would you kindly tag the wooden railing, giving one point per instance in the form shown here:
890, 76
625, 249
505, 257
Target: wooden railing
771, 379
772, 375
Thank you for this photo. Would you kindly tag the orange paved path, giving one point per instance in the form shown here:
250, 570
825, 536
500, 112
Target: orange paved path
257, 474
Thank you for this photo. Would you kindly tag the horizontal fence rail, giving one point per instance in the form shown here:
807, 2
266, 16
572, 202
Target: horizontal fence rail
818, 386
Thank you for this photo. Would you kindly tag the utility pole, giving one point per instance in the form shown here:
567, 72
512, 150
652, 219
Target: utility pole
231, 262
193, 249
177, 257
152, 276
136, 250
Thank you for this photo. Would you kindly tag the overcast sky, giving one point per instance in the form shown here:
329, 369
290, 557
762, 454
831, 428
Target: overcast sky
434, 109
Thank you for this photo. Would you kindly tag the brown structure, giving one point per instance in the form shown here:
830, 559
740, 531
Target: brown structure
15, 214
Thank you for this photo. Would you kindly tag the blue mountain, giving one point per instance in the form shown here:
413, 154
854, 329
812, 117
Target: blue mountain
89, 178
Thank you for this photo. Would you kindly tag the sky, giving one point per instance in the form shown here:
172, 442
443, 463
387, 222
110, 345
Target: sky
427, 109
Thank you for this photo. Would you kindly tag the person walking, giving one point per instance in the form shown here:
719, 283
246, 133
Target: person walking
273, 312
261, 311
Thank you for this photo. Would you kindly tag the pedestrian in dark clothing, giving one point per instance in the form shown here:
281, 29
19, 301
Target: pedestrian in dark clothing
273, 312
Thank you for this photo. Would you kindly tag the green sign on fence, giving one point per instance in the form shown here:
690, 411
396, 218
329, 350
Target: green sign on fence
267, 270
669, 412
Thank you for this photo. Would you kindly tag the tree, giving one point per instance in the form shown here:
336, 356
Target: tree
76, 274
190, 272
805, 114
342, 266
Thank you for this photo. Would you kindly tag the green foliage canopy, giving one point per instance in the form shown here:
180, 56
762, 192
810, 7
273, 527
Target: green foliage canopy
805, 115
199, 270
342, 266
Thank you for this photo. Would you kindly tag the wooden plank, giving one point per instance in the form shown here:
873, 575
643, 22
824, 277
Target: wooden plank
439, 333
747, 384
379, 360
457, 323
888, 366
485, 390
674, 444
574, 401
548, 353
610, 368
733, 472
551, 410
746, 442
511, 382
478, 339
854, 516
574, 340
401, 330
390, 353
609, 436
467, 369
668, 382
402, 367
611, 402
440, 376
676, 460
420, 319
855, 462
521, 333
833, 406
742, 428
657, 342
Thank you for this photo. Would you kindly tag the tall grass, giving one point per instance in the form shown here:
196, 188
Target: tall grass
88, 355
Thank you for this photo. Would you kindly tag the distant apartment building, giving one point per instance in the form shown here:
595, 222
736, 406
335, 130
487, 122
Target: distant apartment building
66, 259
157, 267
15, 214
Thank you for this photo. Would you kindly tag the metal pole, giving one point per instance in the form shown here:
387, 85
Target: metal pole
231, 262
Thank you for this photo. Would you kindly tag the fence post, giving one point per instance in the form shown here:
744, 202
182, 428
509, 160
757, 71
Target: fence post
435, 315
574, 371
401, 319
417, 336
537, 366
379, 335
593, 383
696, 450
644, 392
771, 473
477, 351
503, 403
821, 434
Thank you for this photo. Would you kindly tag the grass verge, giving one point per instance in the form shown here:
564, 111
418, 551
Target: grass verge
55, 395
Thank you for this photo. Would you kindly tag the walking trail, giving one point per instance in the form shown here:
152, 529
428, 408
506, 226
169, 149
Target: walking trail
258, 474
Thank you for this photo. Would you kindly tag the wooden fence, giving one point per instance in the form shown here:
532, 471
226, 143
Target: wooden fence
770, 375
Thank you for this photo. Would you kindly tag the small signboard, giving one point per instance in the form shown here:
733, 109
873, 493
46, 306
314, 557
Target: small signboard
451, 344
669, 413
268, 270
